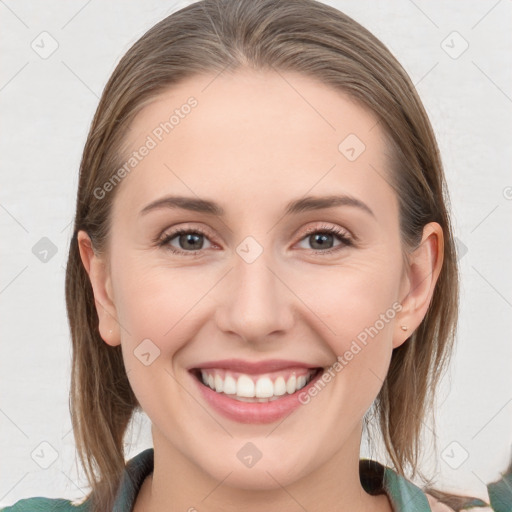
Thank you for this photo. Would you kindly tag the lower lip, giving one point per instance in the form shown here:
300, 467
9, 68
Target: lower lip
257, 412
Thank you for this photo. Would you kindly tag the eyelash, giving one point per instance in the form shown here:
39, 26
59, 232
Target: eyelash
332, 230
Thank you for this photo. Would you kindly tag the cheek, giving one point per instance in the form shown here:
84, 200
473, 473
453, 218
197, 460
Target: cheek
155, 307
157, 303
152, 305
354, 301
355, 308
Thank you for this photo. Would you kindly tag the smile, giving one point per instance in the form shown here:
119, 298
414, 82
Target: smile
256, 388
253, 392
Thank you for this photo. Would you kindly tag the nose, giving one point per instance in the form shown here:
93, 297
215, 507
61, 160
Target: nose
256, 305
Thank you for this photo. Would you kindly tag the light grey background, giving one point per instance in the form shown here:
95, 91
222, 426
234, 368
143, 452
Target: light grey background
47, 105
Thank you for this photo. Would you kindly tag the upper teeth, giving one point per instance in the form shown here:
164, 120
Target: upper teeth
243, 385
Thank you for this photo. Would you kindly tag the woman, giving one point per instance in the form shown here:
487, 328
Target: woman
318, 296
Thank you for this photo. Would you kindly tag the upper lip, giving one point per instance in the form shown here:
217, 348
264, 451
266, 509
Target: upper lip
250, 367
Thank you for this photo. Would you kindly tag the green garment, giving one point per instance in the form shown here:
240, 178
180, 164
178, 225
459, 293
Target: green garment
375, 479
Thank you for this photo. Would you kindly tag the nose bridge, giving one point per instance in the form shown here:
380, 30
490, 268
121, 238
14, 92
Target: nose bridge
257, 303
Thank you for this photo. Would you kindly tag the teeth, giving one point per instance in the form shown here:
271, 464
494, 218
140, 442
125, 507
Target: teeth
219, 384
264, 388
291, 384
250, 389
245, 387
279, 386
229, 385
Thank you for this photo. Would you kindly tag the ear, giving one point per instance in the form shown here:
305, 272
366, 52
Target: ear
419, 281
99, 276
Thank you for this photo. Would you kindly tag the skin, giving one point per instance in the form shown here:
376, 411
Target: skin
253, 144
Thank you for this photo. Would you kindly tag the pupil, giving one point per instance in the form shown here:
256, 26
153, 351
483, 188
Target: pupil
189, 237
321, 239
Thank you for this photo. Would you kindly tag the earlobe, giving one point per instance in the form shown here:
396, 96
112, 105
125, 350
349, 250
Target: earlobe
96, 269
419, 281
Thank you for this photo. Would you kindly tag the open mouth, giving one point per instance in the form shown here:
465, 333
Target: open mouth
256, 388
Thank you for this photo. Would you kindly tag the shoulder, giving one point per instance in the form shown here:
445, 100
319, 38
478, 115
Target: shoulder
44, 505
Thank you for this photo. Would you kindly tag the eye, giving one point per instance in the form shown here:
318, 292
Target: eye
190, 241
321, 239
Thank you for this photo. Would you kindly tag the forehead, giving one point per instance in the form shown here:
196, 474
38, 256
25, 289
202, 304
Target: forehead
250, 134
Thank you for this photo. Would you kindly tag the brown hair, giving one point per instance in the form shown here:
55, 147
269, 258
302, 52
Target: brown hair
315, 40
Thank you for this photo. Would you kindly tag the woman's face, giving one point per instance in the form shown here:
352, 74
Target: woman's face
260, 281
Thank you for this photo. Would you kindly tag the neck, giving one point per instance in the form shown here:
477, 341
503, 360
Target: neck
178, 484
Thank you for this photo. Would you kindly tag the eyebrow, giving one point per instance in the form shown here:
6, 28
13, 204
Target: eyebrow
304, 204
